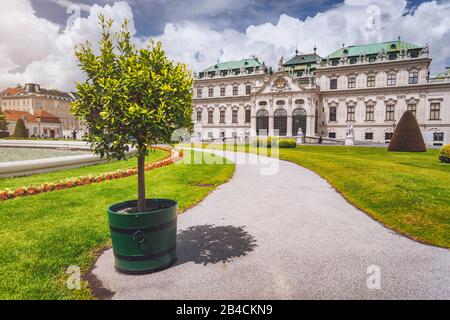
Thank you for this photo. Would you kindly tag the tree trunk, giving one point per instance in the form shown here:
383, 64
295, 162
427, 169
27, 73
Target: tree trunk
141, 183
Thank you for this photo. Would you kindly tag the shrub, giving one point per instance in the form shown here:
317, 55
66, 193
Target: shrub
20, 131
444, 154
265, 142
407, 135
287, 143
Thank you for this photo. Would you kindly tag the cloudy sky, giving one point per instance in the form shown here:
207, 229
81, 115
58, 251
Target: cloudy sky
37, 37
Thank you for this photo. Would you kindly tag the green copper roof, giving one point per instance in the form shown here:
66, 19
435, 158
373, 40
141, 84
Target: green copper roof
374, 48
444, 74
302, 59
244, 63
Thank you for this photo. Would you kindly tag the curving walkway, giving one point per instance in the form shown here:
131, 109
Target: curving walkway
284, 236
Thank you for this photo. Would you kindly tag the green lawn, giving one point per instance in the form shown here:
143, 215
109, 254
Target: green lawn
42, 235
55, 176
408, 192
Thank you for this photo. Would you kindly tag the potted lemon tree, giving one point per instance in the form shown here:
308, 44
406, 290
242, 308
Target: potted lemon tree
134, 98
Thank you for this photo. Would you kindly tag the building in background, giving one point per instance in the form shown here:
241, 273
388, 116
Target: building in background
366, 86
42, 124
42, 104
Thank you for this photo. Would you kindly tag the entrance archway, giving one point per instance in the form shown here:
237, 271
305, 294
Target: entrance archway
262, 122
280, 122
298, 121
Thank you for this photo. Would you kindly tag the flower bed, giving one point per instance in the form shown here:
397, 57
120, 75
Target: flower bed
6, 194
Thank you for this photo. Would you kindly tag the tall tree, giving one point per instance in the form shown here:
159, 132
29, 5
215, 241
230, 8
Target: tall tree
3, 123
20, 131
131, 97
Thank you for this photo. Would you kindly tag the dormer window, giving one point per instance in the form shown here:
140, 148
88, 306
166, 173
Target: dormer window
345, 51
392, 56
414, 53
393, 46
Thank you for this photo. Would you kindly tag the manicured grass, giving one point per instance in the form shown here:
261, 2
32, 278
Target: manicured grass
41, 236
37, 179
408, 192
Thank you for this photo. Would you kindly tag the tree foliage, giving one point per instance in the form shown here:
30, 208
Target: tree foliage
3, 123
131, 97
20, 131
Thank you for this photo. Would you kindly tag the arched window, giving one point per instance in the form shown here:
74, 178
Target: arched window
262, 122
298, 121
280, 121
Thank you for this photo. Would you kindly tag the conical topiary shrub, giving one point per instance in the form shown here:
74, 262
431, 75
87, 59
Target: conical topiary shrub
407, 135
20, 131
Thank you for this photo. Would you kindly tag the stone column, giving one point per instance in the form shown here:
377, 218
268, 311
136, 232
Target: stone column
289, 125
253, 125
310, 126
270, 125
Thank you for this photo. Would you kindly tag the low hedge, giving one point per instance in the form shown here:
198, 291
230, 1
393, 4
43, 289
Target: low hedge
265, 142
444, 154
287, 143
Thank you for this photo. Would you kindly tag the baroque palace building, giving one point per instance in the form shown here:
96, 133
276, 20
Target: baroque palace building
45, 112
367, 86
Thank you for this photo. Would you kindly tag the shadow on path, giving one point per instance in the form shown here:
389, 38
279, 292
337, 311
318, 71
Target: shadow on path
208, 243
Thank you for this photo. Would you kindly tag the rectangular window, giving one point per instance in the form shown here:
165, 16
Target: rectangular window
222, 91
248, 89
388, 135
438, 136
332, 113
351, 82
371, 81
412, 107
333, 84
368, 136
234, 116
210, 116
435, 111
235, 90
222, 116
210, 92
391, 79
210, 135
390, 116
247, 116
350, 113
199, 92
413, 77
199, 115
332, 135
370, 113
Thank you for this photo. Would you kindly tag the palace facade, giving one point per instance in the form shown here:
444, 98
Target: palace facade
45, 112
368, 86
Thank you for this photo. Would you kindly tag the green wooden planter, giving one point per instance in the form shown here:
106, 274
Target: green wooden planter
144, 242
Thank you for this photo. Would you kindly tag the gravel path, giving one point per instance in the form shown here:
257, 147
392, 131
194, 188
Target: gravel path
289, 235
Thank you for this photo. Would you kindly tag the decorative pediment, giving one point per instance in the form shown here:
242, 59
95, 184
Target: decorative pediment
390, 101
279, 82
412, 100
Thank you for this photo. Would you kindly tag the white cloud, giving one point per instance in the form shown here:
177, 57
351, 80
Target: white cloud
44, 52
